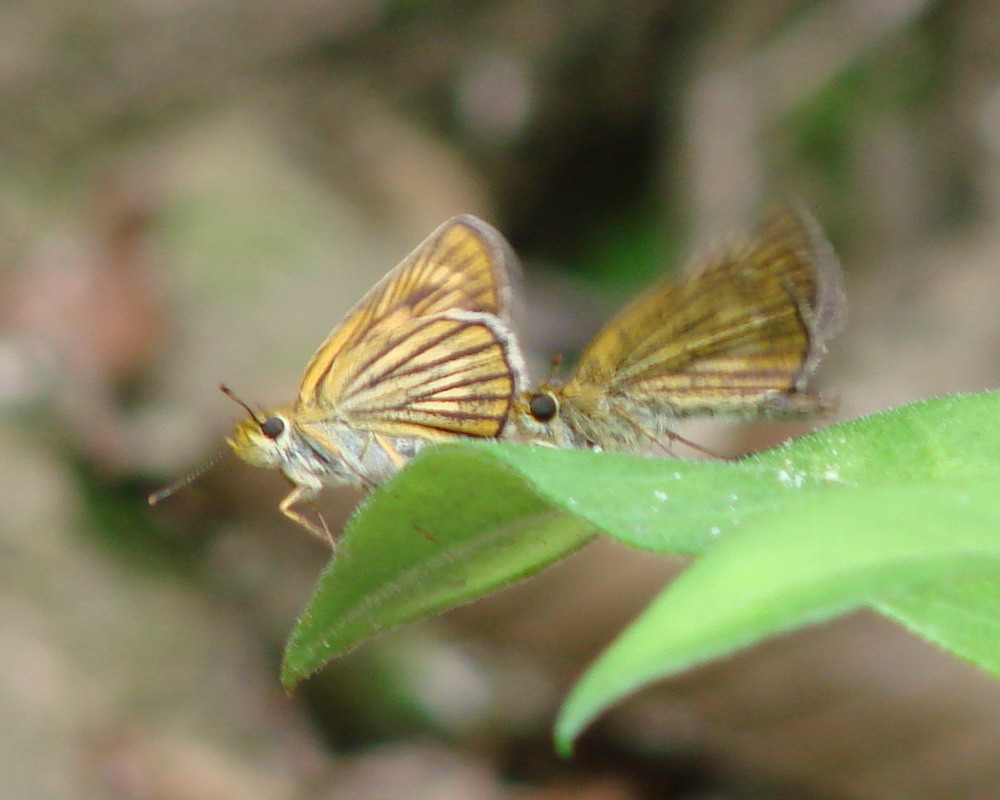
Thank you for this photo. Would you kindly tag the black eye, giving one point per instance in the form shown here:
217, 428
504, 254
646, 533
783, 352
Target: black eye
272, 427
543, 407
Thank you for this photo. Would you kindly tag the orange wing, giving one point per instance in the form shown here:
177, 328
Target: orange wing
746, 326
428, 351
455, 373
463, 265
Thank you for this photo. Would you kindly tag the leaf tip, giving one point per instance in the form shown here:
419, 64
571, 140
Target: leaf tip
291, 675
568, 728
564, 746
289, 681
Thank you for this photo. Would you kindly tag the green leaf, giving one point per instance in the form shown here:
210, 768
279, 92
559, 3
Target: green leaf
452, 527
814, 557
898, 510
466, 519
887, 510
961, 616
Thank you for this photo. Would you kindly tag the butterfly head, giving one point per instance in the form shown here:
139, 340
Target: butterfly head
262, 440
543, 405
537, 415
559, 414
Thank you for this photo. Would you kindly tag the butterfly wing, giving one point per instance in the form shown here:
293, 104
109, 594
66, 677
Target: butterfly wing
450, 374
740, 333
427, 352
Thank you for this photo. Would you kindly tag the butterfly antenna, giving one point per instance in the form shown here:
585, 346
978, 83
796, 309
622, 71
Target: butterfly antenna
162, 494
554, 365
233, 396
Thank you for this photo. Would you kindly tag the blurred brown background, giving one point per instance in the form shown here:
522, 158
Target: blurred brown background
196, 192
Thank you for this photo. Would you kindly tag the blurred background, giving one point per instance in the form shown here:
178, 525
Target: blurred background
195, 192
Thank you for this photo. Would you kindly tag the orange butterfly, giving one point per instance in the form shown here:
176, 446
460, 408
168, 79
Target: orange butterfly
426, 356
739, 335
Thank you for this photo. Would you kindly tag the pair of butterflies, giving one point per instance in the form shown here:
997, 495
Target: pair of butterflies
428, 356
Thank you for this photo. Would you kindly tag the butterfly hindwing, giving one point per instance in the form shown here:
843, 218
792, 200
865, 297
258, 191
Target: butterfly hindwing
454, 373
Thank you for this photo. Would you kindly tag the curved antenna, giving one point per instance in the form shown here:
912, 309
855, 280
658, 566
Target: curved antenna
166, 491
232, 396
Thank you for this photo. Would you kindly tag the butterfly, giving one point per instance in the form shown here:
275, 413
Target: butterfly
426, 356
739, 334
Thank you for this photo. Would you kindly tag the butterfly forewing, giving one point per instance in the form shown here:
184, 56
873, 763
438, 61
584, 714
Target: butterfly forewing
463, 265
745, 326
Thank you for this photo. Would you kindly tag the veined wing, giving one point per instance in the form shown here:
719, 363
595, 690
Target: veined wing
451, 374
463, 265
749, 324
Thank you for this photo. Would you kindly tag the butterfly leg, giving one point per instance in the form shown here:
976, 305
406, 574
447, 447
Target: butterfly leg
676, 437
297, 495
671, 438
390, 451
